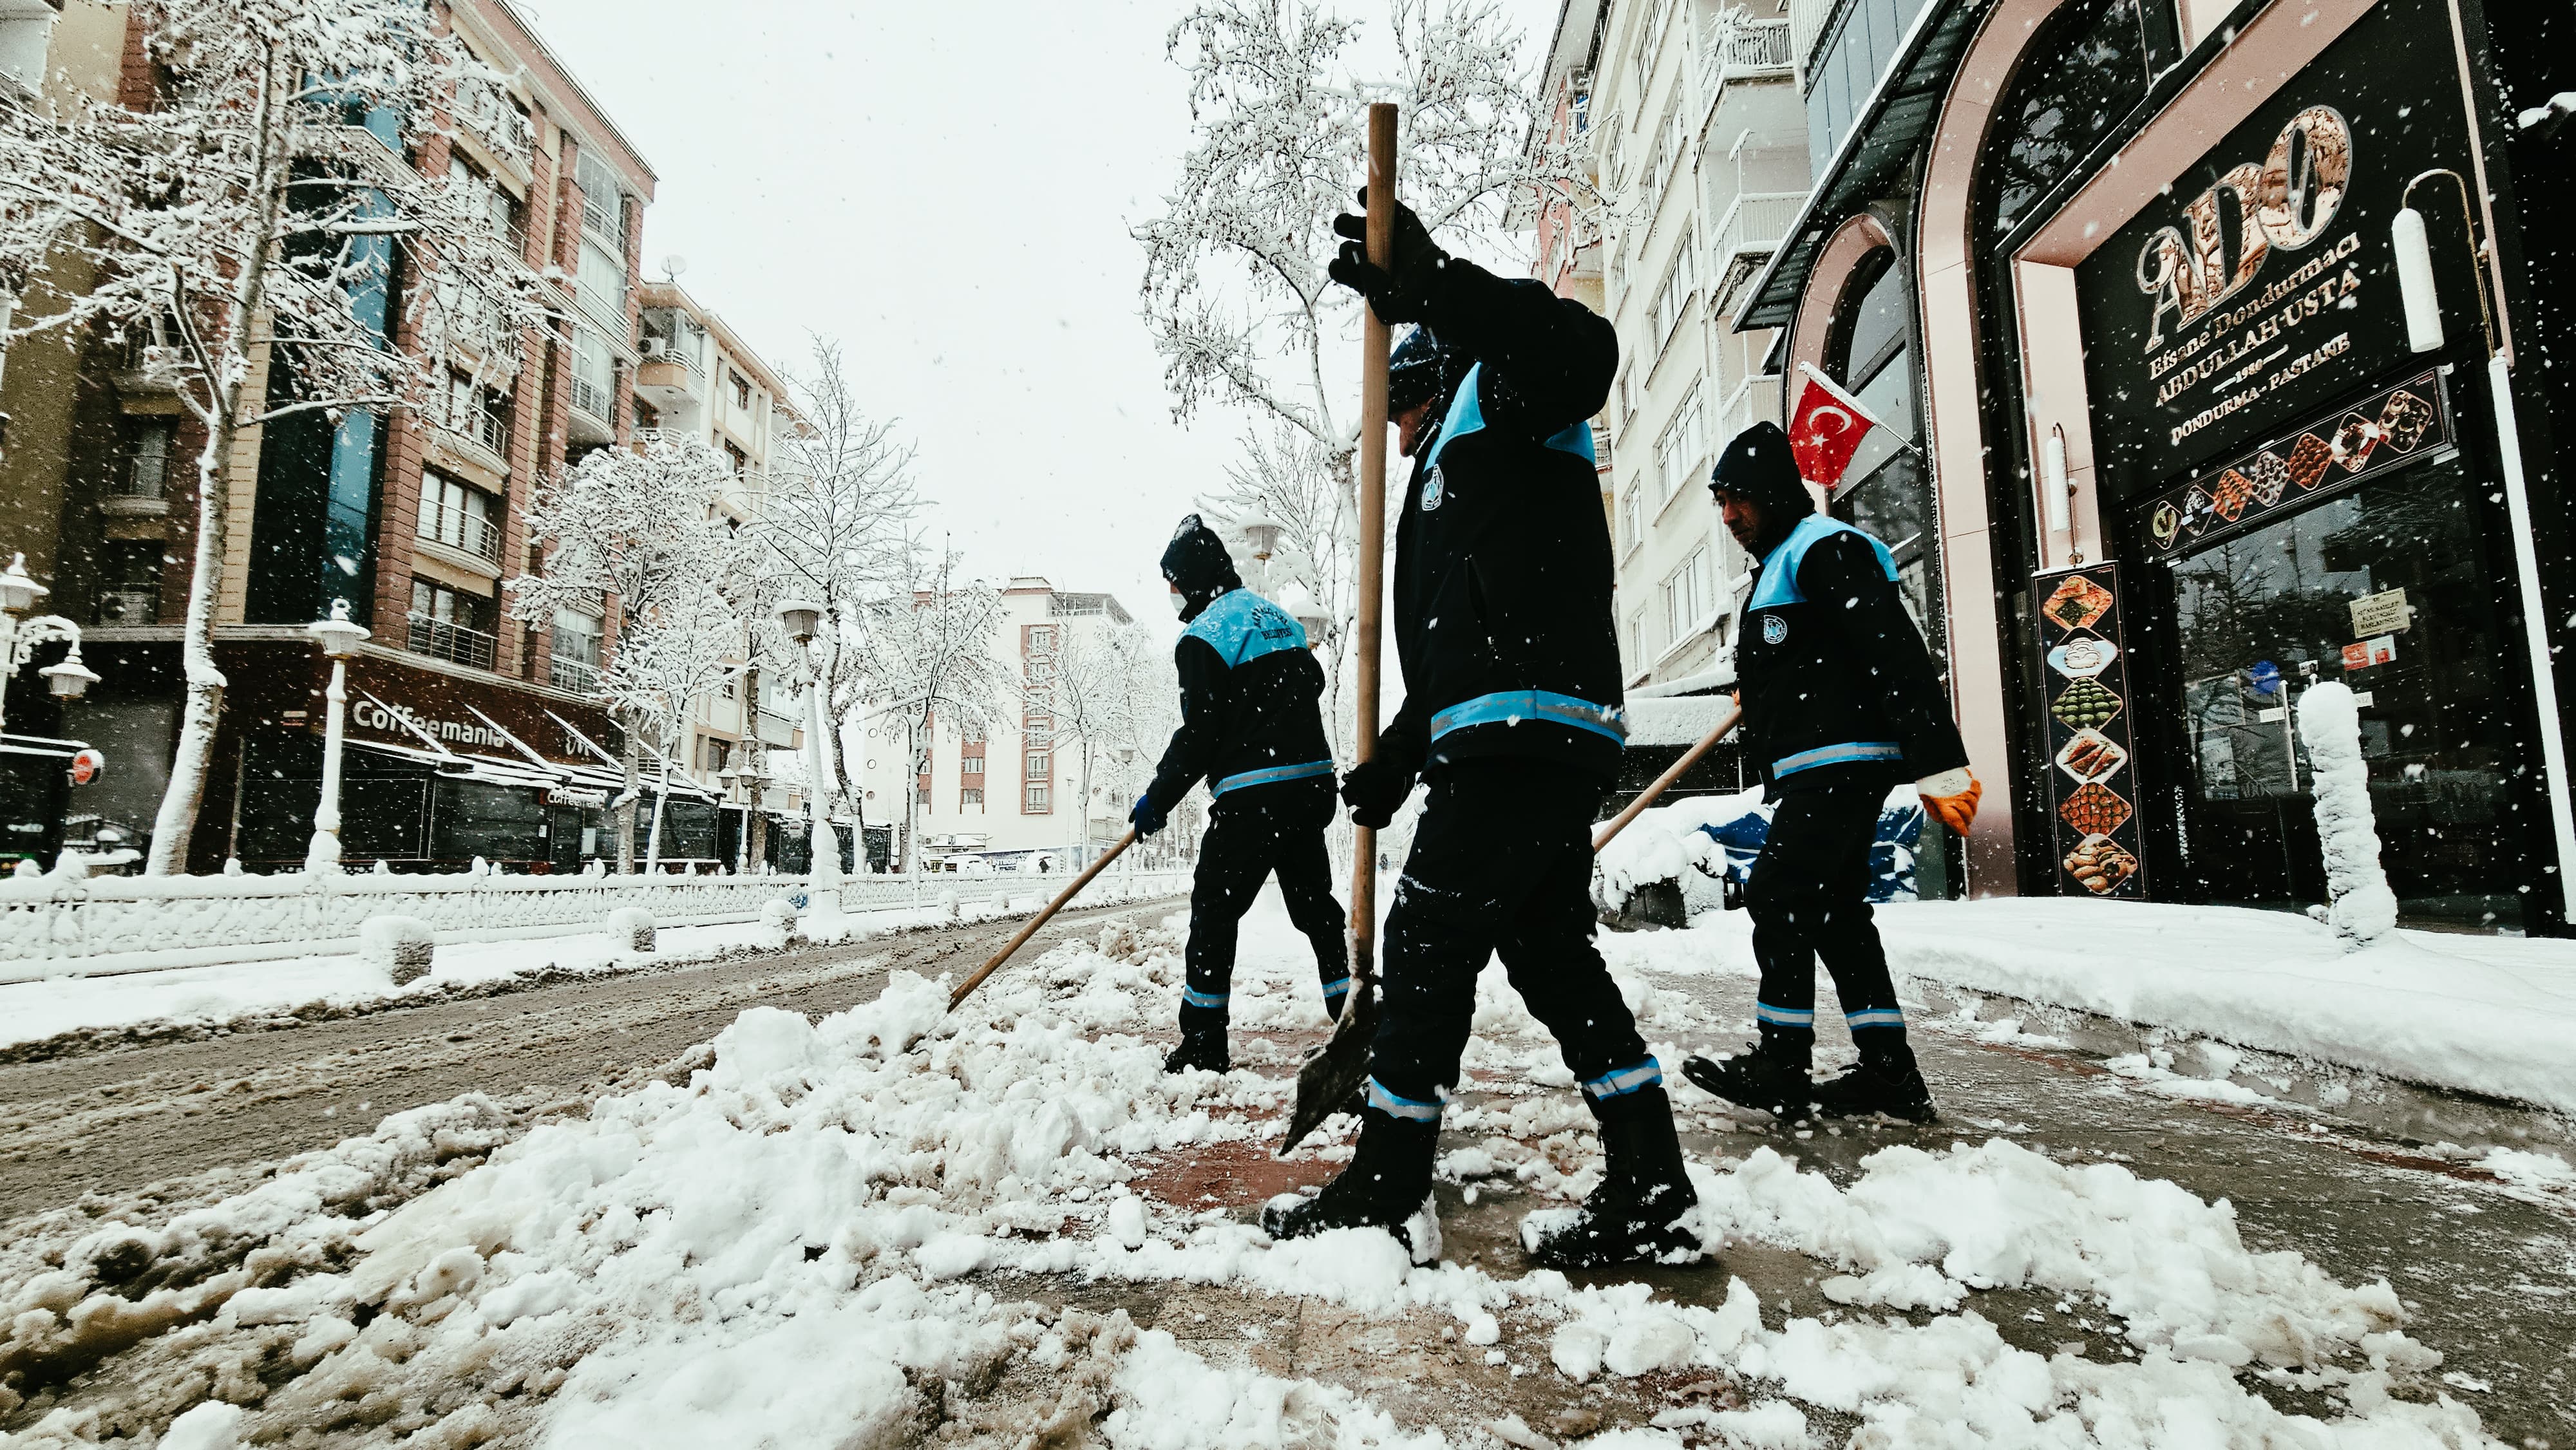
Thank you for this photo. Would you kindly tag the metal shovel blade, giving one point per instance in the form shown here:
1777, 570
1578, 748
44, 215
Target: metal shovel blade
1331, 1076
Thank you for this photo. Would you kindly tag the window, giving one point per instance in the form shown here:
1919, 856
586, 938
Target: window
741, 389
594, 375
971, 765
601, 282
449, 625
1673, 298
972, 795
603, 206
1632, 518
129, 585
1636, 636
143, 472
1035, 801
1040, 639
458, 515
711, 753
1689, 596
478, 412
1039, 764
1679, 452
737, 459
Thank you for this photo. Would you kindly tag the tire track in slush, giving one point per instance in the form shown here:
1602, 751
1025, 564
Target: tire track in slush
110, 1123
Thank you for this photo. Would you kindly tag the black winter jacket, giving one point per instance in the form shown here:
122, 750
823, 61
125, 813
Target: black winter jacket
1502, 557
1248, 693
1837, 685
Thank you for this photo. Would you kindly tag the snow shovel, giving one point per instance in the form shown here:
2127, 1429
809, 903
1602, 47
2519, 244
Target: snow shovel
1330, 1077
1039, 920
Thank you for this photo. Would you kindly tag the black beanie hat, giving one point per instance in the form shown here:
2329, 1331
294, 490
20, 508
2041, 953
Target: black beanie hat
1198, 565
1421, 369
1759, 467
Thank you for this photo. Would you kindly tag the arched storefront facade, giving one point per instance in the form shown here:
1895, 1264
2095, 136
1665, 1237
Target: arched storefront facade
2179, 458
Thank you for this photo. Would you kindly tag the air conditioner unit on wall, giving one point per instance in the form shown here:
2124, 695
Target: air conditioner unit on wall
655, 347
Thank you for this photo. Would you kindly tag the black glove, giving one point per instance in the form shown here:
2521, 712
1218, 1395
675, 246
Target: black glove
1373, 789
1147, 817
1400, 294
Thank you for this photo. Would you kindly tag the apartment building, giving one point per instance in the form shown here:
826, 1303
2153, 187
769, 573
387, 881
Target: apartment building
1015, 790
1698, 140
463, 743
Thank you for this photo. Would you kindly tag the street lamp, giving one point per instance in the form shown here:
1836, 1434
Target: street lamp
802, 619
19, 637
338, 638
1261, 532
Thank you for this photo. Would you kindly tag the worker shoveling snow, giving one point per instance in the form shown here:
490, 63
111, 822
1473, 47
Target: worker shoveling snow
795, 1248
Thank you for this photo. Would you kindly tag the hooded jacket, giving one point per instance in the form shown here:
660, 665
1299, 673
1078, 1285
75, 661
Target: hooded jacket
1503, 569
1837, 685
1248, 687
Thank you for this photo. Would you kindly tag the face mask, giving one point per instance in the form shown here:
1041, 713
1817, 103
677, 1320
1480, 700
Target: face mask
1179, 600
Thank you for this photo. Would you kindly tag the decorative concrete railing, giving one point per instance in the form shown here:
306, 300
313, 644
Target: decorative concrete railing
52, 926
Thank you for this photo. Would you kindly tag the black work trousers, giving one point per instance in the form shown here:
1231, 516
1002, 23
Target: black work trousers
1252, 832
1808, 895
1501, 865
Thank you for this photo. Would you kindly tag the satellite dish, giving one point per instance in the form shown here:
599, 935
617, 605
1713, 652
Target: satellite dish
673, 265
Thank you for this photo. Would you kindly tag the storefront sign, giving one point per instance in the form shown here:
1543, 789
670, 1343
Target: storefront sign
2332, 452
392, 719
2093, 782
2362, 654
573, 795
2263, 285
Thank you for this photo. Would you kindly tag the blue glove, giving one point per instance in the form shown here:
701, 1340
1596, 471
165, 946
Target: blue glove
1147, 817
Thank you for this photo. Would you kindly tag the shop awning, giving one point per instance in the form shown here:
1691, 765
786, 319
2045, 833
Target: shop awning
1900, 114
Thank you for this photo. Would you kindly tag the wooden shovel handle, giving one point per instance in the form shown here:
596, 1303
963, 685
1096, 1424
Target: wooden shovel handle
1374, 343
1039, 920
1664, 782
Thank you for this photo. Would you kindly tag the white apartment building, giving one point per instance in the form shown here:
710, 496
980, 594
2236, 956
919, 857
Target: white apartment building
696, 378
1699, 143
1013, 790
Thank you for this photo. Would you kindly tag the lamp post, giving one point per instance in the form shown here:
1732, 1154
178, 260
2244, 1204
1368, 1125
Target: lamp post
1262, 533
338, 638
20, 636
802, 619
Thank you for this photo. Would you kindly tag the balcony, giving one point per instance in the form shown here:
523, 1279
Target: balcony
669, 377
471, 534
444, 640
573, 675
594, 411
1750, 229
777, 730
1739, 49
1807, 22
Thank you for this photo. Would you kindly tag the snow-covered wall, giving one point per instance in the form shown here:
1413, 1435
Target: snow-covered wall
57, 926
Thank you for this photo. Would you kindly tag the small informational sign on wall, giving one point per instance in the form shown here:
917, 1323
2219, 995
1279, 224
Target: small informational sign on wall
2381, 614
2092, 777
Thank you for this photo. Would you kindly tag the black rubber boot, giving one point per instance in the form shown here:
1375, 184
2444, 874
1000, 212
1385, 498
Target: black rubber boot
1202, 1043
1636, 1212
1770, 1075
1885, 1080
1388, 1186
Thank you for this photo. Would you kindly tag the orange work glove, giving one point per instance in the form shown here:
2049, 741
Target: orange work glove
1951, 798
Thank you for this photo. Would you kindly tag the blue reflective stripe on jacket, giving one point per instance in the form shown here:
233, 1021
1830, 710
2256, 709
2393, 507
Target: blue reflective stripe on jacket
1780, 567
1272, 776
1855, 753
1514, 706
1242, 626
1467, 415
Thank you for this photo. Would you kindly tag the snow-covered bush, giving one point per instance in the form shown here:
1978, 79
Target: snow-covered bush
630, 929
403, 945
2364, 910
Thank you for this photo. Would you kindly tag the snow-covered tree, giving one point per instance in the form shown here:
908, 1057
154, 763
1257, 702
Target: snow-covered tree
668, 660
1235, 291
638, 529
932, 665
831, 530
260, 234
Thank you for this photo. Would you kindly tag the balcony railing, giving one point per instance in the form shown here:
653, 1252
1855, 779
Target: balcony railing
1754, 222
484, 426
1738, 47
1807, 21
573, 675
593, 399
439, 639
473, 533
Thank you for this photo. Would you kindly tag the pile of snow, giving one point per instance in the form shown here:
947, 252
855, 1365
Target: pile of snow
2489, 1015
784, 1251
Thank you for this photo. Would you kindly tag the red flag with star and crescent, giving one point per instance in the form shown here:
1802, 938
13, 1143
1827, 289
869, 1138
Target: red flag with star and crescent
1826, 429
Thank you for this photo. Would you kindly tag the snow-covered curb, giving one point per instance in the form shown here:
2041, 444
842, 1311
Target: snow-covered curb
2490, 1015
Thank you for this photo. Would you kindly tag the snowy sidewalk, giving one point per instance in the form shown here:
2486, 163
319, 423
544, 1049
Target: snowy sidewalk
895, 1224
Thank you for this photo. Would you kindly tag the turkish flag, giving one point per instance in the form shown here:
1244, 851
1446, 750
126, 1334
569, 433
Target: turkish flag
1826, 429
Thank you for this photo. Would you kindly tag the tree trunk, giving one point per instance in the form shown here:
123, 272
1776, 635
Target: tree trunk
653, 845
633, 757
176, 821
1082, 813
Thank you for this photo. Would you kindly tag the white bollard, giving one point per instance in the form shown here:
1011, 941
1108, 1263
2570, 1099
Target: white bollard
2364, 910
630, 929
403, 945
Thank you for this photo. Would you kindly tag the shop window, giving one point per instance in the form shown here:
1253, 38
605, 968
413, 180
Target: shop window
2086, 71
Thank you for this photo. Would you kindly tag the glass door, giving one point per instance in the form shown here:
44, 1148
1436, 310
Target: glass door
2385, 589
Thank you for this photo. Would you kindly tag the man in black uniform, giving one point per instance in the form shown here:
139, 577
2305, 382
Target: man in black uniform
1251, 729
1841, 702
1512, 712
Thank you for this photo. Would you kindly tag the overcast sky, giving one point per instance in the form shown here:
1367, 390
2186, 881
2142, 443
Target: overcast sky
948, 190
